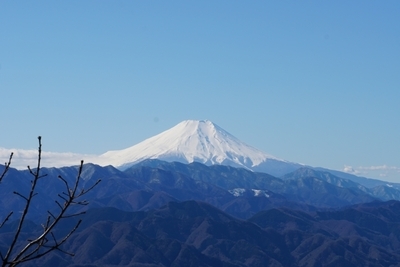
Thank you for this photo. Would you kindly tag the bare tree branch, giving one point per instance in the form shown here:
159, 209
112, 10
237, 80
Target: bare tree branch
28, 203
46, 241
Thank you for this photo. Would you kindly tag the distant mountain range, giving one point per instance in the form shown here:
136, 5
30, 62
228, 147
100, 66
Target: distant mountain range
240, 192
193, 233
158, 213
195, 195
189, 141
205, 142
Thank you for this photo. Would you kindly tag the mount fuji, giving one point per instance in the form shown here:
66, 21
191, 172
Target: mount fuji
199, 141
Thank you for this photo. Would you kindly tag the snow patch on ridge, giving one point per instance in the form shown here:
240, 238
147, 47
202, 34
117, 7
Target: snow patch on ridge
238, 192
258, 193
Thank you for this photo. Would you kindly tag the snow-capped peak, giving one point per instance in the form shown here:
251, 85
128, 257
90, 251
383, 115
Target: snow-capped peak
189, 141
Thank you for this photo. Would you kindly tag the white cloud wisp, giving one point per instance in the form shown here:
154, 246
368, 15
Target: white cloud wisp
23, 158
383, 172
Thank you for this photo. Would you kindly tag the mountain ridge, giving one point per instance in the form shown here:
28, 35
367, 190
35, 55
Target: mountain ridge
194, 233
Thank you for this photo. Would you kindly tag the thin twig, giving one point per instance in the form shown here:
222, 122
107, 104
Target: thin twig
6, 167
6, 219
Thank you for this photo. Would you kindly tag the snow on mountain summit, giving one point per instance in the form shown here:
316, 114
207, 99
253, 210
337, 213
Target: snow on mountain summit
189, 141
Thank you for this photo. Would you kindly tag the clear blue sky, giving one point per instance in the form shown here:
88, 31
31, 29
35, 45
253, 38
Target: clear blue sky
315, 82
